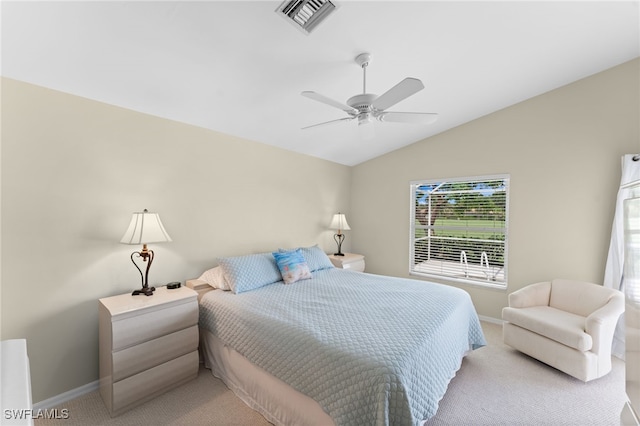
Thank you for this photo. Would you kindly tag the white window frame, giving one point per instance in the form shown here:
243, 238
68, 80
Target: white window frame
483, 274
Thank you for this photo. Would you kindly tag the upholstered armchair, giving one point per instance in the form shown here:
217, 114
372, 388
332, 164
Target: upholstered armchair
566, 324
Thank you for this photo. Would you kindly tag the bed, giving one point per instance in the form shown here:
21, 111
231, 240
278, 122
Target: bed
335, 346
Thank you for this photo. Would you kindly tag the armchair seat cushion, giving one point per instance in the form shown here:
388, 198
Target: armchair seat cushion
560, 326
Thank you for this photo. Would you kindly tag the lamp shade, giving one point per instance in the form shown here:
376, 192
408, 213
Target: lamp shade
145, 227
339, 222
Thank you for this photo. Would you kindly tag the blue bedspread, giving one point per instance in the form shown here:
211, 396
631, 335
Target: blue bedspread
369, 349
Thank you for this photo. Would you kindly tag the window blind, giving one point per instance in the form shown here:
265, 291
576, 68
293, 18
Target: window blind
459, 229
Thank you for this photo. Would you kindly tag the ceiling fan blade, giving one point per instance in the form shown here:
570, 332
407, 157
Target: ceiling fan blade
329, 122
408, 117
321, 98
400, 91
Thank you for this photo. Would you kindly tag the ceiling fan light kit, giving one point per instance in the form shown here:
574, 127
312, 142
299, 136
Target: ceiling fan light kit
366, 107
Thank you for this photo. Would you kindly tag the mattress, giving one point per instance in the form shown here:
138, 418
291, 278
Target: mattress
368, 349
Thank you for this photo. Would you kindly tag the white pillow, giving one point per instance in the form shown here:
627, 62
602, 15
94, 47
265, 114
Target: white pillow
215, 278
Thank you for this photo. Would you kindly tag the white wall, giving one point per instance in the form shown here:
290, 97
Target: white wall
562, 150
73, 171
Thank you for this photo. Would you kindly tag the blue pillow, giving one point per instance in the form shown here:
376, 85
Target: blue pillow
292, 266
316, 258
249, 272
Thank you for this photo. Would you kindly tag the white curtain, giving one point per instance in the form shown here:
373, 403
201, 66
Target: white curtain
629, 188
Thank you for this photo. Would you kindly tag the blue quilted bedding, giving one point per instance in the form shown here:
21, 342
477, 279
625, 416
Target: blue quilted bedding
369, 349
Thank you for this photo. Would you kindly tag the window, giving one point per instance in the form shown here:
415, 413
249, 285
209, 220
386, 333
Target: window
459, 229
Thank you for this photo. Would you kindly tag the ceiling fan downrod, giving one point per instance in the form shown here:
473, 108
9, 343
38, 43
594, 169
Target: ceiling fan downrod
363, 60
362, 103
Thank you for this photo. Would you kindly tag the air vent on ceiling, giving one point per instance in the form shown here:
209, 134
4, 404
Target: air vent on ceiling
305, 14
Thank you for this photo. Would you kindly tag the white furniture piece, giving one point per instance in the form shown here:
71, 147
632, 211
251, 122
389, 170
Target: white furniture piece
348, 261
631, 410
630, 415
148, 345
199, 286
566, 324
15, 383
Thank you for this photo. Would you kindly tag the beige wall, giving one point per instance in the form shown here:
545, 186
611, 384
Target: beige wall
73, 171
562, 151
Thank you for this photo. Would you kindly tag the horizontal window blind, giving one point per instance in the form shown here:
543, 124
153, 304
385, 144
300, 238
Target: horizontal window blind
459, 229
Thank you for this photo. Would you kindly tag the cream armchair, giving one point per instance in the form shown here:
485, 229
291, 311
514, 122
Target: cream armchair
566, 324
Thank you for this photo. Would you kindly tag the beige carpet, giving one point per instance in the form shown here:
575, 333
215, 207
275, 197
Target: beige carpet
495, 386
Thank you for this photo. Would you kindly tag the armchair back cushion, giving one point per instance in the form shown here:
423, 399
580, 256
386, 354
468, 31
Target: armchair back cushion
564, 296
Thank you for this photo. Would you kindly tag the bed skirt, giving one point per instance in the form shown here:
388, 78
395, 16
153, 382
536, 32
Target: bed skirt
278, 402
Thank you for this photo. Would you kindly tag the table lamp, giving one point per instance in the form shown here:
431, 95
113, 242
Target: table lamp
339, 222
145, 227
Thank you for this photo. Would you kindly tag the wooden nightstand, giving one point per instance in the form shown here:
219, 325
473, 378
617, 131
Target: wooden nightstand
348, 261
148, 345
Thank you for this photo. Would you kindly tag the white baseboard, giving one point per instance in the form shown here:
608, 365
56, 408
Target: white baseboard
490, 319
67, 396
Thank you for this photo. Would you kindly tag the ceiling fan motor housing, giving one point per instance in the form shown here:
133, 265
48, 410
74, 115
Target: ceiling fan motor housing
362, 102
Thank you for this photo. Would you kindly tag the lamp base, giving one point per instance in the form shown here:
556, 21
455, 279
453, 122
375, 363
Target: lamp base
339, 238
147, 291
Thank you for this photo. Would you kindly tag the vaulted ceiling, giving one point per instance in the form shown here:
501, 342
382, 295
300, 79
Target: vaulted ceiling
238, 67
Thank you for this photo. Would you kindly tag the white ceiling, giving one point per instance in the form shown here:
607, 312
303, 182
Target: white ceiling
238, 68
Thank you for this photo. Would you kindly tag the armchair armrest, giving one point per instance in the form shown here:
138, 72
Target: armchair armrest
537, 294
601, 323
610, 312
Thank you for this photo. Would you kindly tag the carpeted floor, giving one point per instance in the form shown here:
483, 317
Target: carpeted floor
496, 385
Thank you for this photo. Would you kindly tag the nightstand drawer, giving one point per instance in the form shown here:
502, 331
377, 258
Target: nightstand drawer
153, 382
135, 359
351, 261
150, 325
357, 265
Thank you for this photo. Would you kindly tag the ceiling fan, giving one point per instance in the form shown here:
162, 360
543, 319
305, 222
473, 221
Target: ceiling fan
367, 107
